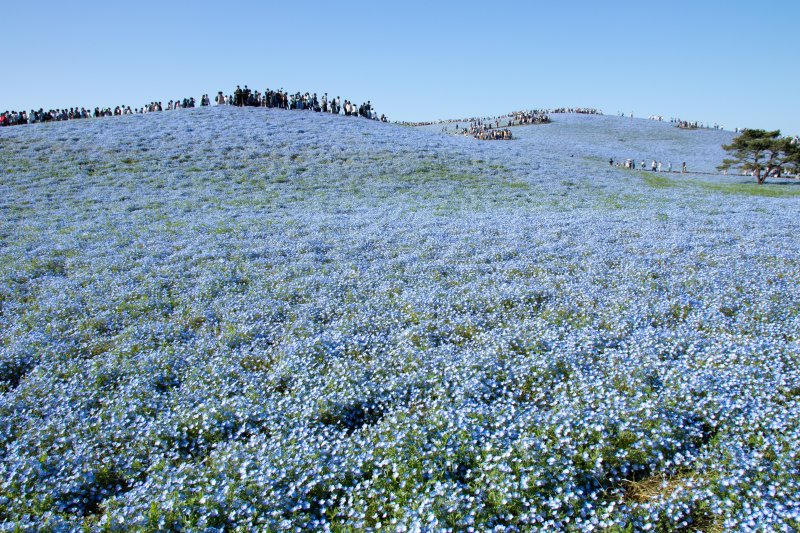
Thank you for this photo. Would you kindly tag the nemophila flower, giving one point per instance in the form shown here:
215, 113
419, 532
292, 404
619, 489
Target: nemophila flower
281, 320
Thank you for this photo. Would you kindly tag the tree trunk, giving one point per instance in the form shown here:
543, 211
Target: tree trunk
769, 172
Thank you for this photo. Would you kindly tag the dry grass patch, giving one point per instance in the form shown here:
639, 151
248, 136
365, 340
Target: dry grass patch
659, 487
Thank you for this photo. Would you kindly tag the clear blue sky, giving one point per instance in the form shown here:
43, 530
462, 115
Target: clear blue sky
732, 62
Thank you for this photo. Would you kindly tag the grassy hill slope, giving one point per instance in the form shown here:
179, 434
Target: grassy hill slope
241, 317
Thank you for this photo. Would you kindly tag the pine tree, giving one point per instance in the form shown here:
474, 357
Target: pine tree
762, 152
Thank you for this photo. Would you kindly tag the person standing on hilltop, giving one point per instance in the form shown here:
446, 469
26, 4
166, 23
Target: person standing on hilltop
683, 168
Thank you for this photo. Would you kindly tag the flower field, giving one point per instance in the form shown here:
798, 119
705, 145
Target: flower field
265, 320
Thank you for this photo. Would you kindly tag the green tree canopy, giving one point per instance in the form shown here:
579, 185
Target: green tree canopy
764, 153
792, 151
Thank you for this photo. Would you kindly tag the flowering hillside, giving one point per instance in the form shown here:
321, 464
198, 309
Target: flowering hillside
228, 318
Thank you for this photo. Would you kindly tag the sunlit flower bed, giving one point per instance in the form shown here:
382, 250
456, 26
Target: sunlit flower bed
267, 320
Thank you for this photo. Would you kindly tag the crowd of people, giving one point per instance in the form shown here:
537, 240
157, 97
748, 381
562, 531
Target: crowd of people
309, 101
281, 99
486, 131
240, 97
694, 124
526, 118
497, 128
685, 124
578, 110
515, 118
655, 166
17, 118
681, 123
